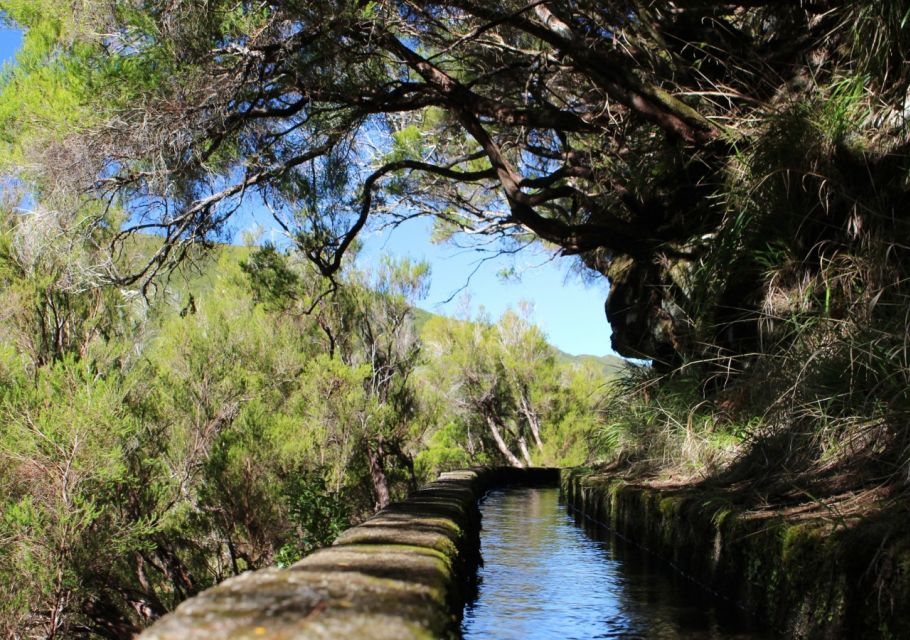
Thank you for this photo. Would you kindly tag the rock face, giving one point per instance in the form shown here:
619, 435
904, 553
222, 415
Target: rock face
646, 323
404, 573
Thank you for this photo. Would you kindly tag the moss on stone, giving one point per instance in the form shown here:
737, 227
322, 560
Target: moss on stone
400, 575
809, 579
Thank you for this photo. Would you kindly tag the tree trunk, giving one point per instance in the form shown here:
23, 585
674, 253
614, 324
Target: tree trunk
497, 436
232, 552
153, 603
378, 477
533, 422
107, 621
523, 446
170, 565
407, 461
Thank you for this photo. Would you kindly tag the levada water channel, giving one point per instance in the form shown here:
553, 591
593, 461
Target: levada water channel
546, 577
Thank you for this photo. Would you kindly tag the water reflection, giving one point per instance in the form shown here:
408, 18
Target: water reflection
545, 577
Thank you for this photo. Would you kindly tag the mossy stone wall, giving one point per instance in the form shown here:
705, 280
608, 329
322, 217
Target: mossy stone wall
403, 574
804, 579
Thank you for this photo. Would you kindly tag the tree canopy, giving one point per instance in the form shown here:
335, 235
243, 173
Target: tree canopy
663, 143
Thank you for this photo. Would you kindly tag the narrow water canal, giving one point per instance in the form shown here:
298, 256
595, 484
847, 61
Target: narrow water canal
544, 577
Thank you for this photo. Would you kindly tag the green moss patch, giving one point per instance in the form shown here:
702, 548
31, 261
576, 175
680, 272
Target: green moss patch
401, 575
807, 577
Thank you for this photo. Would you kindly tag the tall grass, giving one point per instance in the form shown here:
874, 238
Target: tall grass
827, 393
799, 363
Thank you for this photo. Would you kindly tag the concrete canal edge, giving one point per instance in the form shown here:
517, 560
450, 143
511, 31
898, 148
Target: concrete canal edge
406, 572
403, 574
803, 579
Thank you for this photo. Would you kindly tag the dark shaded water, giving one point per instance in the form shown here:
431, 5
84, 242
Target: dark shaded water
546, 577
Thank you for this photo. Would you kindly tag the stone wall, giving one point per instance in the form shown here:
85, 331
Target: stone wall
803, 578
403, 574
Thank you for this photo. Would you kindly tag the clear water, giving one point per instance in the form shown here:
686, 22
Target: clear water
546, 577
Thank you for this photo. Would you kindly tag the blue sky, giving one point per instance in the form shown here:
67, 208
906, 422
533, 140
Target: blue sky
568, 311
10, 39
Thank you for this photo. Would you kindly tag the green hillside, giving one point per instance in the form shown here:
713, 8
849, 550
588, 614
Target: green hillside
610, 364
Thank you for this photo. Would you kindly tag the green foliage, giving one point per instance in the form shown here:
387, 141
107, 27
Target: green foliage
318, 514
511, 400
230, 422
47, 92
272, 280
665, 426
231, 432
445, 451
68, 432
406, 144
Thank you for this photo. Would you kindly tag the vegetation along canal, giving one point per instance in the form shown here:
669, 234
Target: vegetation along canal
544, 576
